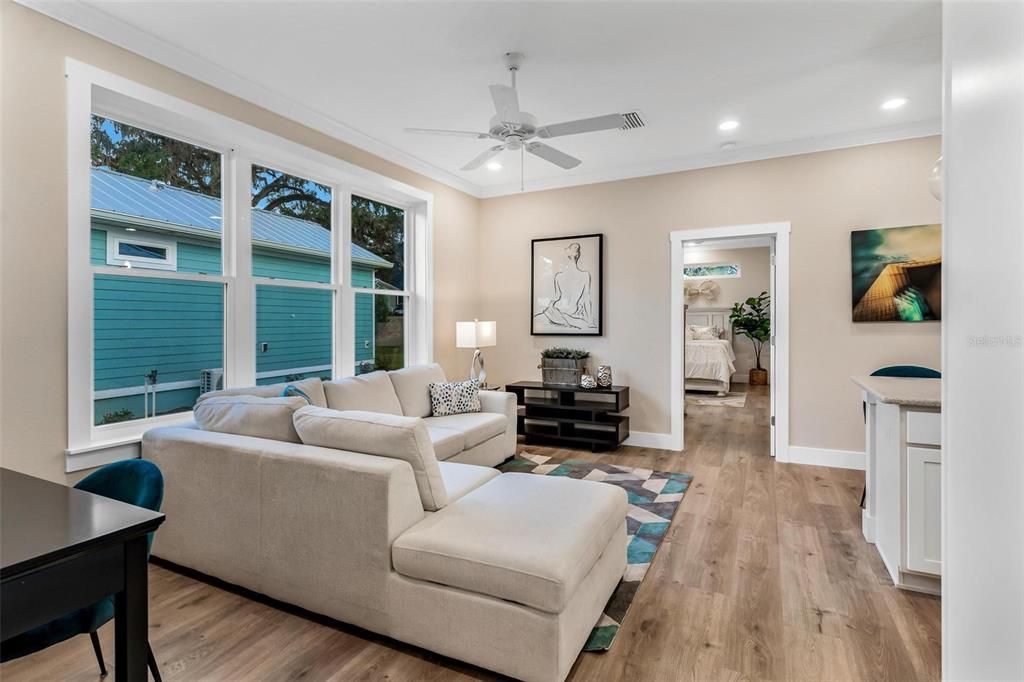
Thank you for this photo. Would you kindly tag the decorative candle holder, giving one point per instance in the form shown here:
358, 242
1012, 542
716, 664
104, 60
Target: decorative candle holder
588, 381
604, 376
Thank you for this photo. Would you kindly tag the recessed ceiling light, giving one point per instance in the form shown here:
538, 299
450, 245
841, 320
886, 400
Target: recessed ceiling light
731, 124
894, 103
494, 166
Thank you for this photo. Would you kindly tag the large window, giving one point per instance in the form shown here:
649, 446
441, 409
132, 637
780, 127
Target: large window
155, 205
378, 276
206, 254
291, 241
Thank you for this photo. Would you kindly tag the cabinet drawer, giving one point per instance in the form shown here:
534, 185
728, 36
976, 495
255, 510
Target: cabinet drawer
924, 428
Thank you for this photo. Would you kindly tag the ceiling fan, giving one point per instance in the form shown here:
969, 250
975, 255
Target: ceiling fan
516, 130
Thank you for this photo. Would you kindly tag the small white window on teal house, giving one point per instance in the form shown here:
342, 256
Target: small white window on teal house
138, 249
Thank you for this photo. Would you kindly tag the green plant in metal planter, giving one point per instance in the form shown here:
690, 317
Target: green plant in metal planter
752, 319
561, 366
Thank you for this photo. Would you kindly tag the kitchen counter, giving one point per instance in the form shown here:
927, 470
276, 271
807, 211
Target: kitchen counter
901, 391
902, 513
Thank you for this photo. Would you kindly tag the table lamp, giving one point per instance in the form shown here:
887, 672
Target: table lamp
476, 334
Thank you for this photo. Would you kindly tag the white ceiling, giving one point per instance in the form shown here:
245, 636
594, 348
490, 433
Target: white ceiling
799, 76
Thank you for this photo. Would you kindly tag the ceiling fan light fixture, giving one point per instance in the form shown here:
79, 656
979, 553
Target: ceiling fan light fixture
494, 166
894, 103
728, 124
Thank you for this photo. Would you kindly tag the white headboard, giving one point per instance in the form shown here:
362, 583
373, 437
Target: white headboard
706, 317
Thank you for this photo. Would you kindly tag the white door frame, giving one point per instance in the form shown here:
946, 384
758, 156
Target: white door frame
781, 305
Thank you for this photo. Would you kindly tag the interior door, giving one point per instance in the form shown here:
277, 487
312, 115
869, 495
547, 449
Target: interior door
771, 345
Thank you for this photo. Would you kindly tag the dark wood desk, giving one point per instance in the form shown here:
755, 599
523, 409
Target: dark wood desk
62, 549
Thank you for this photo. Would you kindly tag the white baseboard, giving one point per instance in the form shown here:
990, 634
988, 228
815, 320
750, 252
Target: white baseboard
823, 457
646, 439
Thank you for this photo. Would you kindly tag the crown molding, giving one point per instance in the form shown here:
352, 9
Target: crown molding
104, 26
96, 22
809, 145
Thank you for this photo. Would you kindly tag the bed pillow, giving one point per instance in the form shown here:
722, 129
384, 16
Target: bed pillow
454, 397
698, 333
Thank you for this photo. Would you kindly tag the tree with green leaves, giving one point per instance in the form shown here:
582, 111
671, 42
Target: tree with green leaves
752, 319
143, 154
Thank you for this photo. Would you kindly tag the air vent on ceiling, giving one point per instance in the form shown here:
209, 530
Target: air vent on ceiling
633, 121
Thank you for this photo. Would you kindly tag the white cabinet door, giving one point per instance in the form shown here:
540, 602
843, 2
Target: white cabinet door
924, 510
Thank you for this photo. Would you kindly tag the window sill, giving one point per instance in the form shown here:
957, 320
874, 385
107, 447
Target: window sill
126, 445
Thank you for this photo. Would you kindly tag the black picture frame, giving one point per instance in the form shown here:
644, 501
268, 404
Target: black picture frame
541, 322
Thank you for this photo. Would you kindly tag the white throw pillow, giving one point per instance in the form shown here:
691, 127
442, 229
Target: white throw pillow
375, 433
455, 397
699, 333
249, 415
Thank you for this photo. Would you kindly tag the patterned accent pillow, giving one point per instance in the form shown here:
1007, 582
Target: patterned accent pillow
292, 391
454, 397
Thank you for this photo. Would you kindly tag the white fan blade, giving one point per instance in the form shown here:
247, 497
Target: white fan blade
479, 161
506, 103
450, 133
583, 125
560, 159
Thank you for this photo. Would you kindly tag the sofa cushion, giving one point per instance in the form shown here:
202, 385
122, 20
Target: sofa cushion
412, 386
312, 387
248, 415
371, 392
475, 426
460, 479
375, 433
521, 537
447, 442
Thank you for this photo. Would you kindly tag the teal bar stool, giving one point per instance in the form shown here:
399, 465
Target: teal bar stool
133, 481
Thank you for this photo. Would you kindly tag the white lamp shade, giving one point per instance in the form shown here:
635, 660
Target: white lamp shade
476, 334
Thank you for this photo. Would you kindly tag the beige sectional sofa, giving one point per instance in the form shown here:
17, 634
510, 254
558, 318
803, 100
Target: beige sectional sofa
505, 571
487, 437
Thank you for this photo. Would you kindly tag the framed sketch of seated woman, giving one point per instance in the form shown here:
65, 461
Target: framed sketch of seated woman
566, 286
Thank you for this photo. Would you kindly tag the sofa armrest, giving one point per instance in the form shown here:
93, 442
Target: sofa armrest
501, 402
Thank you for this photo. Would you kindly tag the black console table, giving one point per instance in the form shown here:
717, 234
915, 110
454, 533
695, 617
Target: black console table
572, 417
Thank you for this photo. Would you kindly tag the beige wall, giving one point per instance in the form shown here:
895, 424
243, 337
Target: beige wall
823, 195
755, 276
33, 281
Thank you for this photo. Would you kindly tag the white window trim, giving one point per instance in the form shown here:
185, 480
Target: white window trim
117, 236
92, 90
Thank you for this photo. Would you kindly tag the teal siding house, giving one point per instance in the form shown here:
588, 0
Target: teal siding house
159, 342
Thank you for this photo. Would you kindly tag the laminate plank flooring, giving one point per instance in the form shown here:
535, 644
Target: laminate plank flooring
763, 575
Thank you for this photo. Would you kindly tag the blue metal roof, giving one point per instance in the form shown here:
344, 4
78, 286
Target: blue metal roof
128, 196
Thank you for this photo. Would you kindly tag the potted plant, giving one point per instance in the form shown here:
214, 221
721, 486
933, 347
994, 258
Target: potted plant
563, 366
751, 319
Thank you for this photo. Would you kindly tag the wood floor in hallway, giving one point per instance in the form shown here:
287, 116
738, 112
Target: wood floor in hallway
763, 575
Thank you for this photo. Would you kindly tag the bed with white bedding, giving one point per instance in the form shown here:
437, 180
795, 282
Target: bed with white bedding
709, 361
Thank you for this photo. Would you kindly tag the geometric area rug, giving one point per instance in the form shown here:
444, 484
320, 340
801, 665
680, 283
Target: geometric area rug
654, 497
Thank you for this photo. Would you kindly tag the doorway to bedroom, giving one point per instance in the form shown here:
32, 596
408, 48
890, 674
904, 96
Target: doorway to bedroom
728, 347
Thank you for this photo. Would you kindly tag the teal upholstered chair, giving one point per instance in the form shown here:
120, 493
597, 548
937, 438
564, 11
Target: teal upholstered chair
134, 481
